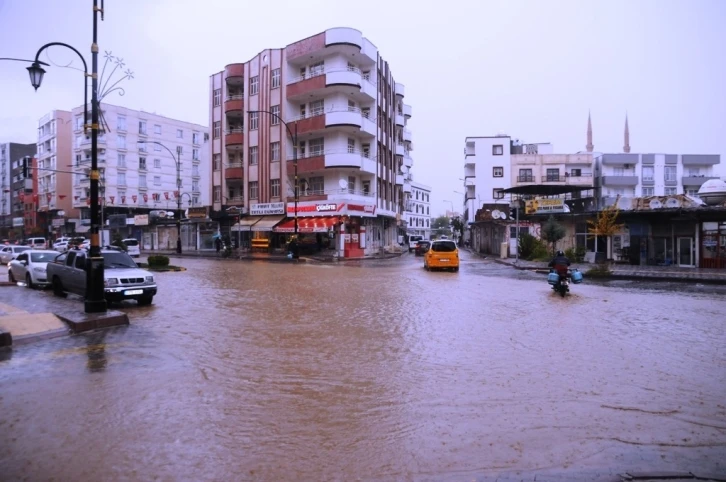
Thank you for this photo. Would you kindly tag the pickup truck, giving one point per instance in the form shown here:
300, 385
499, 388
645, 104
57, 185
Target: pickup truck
123, 279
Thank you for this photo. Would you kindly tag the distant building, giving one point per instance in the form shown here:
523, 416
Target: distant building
418, 211
13, 184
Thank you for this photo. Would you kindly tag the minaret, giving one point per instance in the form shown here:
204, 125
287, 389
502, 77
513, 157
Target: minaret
626, 147
589, 146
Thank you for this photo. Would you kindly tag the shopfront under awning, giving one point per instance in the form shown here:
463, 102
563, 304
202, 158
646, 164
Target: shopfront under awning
318, 224
245, 224
267, 223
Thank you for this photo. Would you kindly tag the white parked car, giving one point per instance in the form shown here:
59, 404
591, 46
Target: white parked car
61, 246
132, 247
9, 253
30, 266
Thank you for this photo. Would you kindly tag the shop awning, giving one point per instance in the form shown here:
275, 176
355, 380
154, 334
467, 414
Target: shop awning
267, 223
245, 224
318, 224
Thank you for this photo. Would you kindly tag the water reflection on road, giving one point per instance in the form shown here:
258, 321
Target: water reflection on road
374, 370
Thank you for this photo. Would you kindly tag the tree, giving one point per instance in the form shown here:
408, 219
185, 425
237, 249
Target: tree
606, 224
441, 222
118, 241
552, 231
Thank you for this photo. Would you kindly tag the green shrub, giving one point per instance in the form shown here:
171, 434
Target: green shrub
159, 261
601, 270
118, 241
531, 248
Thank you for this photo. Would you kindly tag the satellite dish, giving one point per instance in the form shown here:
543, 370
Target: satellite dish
673, 203
655, 204
170, 214
566, 208
496, 213
161, 214
343, 184
503, 215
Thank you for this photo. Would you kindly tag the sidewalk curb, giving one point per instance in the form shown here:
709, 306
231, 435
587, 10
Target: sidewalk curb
46, 335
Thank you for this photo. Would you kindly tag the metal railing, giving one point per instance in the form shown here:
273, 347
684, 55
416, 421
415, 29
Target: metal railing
235, 130
326, 152
323, 71
331, 109
235, 97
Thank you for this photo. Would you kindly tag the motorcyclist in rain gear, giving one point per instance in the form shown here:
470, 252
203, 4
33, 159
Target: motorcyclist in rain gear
560, 263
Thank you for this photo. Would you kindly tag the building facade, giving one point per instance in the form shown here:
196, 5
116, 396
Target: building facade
554, 169
139, 176
330, 113
418, 211
54, 178
13, 184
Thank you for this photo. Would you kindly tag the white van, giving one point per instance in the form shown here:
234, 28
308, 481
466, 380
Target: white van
37, 243
413, 241
132, 246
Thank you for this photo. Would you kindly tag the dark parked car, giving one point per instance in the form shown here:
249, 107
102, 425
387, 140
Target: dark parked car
422, 247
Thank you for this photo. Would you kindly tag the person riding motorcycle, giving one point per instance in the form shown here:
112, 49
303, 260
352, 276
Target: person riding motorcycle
560, 263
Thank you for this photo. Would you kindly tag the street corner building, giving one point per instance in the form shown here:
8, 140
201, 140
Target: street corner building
315, 134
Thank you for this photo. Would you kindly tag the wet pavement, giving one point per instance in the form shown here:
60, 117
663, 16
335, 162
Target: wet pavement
374, 370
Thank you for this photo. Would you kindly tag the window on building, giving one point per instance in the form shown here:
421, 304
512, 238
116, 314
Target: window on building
217, 97
216, 162
498, 171
196, 138
120, 142
647, 191
120, 123
275, 115
498, 193
317, 107
525, 175
253, 155
254, 120
217, 194
195, 154
648, 172
180, 134
553, 175
274, 187
275, 78
366, 148
692, 192
142, 147
157, 129
157, 180
157, 163
121, 178
670, 191
303, 111
121, 160
316, 185
575, 172
351, 145
301, 149
274, 151
142, 127
497, 150
195, 186
157, 147
317, 146
694, 171
254, 85
670, 173
351, 106
217, 129
253, 189
142, 163
142, 180
317, 68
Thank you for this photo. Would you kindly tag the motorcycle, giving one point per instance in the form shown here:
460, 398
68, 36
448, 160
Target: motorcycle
561, 281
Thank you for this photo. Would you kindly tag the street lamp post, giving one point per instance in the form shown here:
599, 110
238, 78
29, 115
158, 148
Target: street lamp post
95, 301
293, 137
177, 160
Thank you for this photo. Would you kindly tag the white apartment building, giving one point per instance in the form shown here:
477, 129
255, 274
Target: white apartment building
418, 211
642, 175
138, 173
337, 95
488, 169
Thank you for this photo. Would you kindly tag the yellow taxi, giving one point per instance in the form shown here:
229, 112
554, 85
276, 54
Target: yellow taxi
443, 254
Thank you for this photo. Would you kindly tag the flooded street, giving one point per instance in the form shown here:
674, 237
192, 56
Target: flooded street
374, 371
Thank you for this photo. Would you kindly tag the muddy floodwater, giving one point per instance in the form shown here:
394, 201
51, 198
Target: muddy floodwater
371, 371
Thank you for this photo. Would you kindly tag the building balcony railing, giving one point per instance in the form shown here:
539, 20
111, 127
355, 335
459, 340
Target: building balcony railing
320, 82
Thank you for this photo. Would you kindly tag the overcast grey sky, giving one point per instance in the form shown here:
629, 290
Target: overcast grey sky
529, 68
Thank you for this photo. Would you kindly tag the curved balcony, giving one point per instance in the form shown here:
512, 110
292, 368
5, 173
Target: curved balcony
234, 139
344, 119
344, 36
399, 120
234, 105
400, 151
407, 161
343, 81
406, 135
333, 159
407, 111
406, 187
234, 74
234, 172
399, 179
335, 40
400, 90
